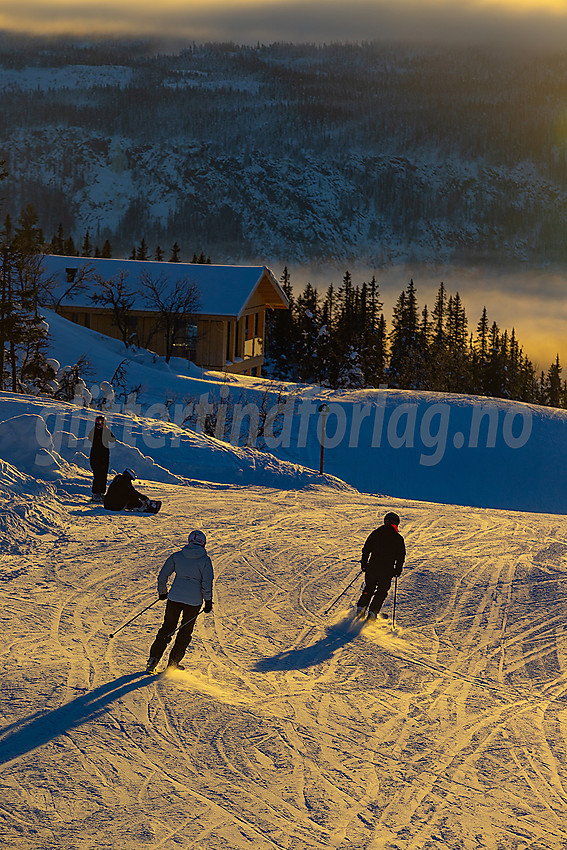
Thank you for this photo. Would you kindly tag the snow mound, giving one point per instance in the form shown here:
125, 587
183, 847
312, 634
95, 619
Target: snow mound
29, 509
51, 444
26, 442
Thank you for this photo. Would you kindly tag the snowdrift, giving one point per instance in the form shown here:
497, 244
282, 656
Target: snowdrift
29, 509
50, 443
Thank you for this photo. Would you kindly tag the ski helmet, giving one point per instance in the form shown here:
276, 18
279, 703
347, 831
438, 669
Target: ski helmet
129, 473
391, 519
197, 537
100, 420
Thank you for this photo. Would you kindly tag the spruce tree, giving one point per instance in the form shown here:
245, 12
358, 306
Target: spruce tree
457, 363
372, 335
57, 245
553, 388
70, 249
142, 250
308, 327
329, 358
27, 238
403, 369
86, 247
281, 336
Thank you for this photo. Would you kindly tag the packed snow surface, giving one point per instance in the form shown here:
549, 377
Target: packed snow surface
293, 725
289, 727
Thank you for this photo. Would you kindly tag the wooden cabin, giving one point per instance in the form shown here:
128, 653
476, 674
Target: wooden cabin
226, 332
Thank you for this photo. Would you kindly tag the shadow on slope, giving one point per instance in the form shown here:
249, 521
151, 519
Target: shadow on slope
25, 735
336, 636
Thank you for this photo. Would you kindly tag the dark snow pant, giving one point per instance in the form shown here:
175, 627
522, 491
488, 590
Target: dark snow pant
135, 502
375, 592
99, 466
173, 611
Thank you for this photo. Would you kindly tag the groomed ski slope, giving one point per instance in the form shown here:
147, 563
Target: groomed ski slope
289, 729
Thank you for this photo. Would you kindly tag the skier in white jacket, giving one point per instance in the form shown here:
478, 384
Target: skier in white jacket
193, 584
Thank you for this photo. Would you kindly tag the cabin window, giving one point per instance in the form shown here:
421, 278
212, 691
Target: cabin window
192, 343
253, 347
87, 320
71, 275
185, 344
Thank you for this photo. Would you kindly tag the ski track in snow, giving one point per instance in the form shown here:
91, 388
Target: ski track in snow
288, 729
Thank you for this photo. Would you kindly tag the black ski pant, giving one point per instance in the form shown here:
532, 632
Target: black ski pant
375, 591
173, 610
99, 466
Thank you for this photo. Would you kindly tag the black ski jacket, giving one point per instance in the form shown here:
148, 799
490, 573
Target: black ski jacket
122, 494
384, 552
100, 439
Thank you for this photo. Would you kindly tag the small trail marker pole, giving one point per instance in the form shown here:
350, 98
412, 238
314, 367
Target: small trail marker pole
323, 410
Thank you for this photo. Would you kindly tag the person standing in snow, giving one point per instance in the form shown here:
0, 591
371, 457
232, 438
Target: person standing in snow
383, 557
193, 584
100, 437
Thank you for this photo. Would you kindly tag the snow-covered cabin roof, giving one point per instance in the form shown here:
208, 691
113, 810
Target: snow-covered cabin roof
224, 290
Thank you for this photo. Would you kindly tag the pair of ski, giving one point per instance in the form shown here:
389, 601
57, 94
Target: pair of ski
152, 669
365, 614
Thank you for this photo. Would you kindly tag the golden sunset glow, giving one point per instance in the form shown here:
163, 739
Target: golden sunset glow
300, 20
555, 6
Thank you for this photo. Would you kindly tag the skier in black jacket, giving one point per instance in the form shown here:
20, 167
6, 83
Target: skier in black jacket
122, 495
100, 436
383, 557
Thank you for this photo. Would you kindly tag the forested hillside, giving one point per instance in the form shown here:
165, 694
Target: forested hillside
364, 153
342, 339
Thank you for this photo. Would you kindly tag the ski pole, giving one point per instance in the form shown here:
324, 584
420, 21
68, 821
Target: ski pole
341, 594
134, 618
182, 626
394, 611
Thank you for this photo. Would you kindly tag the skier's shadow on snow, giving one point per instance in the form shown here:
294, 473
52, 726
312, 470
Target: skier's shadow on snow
25, 735
337, 636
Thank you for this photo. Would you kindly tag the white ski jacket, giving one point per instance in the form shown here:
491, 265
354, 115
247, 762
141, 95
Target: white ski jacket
193, 580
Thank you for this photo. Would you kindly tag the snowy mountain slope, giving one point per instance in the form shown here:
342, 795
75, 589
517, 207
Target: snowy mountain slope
292, 209
429, 446
367, 155
289, 728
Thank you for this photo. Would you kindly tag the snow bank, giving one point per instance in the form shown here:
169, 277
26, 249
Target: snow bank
52, 438
28, 509
27, 444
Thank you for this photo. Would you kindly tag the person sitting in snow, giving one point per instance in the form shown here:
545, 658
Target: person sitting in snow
122, 495
193, 584
383, 557
100, 436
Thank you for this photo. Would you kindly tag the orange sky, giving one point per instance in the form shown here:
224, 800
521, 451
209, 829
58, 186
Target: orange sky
531, 21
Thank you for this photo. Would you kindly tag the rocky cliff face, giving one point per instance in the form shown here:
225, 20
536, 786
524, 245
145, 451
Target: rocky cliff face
293, 154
